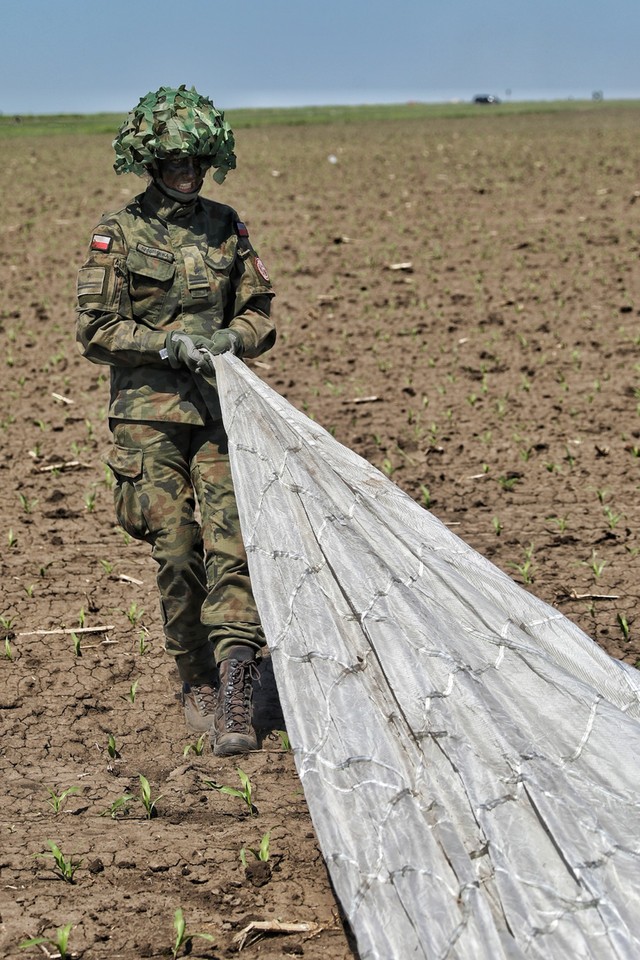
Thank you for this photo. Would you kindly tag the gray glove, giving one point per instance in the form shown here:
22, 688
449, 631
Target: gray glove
195, 352
226, 341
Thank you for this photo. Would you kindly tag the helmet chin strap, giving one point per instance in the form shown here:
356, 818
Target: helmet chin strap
177, 194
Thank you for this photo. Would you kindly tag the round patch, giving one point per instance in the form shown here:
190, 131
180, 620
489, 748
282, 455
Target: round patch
262, 270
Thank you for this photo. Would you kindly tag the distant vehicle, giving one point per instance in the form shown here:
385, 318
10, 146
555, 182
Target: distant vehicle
486, 98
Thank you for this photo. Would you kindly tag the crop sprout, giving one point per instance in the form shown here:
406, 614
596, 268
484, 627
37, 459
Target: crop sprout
60, 941
262, 853
66, 867
244, 794
183, 937
56, 801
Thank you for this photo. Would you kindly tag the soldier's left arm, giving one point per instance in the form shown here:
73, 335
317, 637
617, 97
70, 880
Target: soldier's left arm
252, 302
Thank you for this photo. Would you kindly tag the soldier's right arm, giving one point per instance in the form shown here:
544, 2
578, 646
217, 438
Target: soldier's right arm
106, 329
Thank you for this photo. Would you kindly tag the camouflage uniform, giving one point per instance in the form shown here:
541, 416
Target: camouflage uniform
155, 266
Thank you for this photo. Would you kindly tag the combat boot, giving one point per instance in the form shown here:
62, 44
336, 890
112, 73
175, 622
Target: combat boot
232, 730
199, 702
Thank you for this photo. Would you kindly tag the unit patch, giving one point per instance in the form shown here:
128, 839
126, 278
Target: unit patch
262, 270
101, 243
90, 281
155, 252
241, 229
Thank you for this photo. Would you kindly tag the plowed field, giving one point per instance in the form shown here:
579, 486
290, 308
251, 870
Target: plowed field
458, 302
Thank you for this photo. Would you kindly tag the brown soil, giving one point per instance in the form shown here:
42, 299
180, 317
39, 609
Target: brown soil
494, 376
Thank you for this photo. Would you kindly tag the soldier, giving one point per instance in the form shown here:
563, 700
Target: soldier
171, 280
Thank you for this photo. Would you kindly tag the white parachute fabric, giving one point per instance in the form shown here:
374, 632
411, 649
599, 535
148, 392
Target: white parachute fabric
469, 757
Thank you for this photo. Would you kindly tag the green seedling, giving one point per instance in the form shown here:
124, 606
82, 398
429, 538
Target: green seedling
8, 652
134, 614
77, 649
7, 622
60, 941
30, 590
613, 519
244, 794
426, 496
112, 749
133, 689
81, 618
560, 522
56, 800
143, 644
12, 540
26, 504
601, 494
65, 867
524, 569
107, 566
597, 566
109, 479
90, 501
508, 483
262, 853
197, 747
183, 937
120, 806
497, 526
624, 626
145, 798
283, 736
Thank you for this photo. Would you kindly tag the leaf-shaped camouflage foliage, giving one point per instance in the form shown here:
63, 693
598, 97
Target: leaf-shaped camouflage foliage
174, 121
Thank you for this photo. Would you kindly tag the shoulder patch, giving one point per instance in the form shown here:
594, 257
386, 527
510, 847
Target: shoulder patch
241, 229
90, 281
101, 242
262, 270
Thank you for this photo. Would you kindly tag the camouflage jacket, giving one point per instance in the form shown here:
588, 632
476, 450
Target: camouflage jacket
160, 265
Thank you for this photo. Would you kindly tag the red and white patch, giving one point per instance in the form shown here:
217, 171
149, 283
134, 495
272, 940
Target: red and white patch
262, 270
101, 243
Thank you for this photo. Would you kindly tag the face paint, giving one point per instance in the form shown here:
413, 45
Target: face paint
183, 174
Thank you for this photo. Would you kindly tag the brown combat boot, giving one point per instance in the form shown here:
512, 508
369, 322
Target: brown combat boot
232, 731
199, 702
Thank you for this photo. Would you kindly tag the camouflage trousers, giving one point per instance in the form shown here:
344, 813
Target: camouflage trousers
174, 490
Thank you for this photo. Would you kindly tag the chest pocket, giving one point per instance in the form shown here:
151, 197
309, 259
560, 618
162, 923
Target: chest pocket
220, 259
150, 280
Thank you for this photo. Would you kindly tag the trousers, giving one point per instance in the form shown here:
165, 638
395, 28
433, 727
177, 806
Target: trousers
174, 490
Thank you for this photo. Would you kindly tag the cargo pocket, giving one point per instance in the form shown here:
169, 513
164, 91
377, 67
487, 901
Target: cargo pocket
126, 465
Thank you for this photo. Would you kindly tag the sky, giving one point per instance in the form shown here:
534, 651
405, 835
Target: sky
78, 56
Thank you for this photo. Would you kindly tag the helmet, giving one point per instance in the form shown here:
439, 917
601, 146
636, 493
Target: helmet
174, 122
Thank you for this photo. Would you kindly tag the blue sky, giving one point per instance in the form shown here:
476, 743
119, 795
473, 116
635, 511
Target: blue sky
67, 56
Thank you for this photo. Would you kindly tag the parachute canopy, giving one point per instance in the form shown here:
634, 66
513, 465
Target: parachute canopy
468, 755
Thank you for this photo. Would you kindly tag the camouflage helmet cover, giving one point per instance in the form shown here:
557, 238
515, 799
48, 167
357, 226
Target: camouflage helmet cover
174, 122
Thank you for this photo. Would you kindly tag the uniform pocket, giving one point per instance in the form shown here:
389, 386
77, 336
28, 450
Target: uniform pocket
221, 258
126, 466
150, 280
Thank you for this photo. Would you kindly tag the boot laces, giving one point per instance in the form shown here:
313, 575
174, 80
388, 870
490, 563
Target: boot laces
237, 693
205, 697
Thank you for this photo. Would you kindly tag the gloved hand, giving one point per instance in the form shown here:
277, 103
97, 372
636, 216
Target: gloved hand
226, 341
195, 352
184, 350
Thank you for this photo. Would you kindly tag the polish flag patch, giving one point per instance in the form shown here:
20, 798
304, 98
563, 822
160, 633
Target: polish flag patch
101, 243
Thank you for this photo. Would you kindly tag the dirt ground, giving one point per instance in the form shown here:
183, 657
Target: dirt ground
459, 302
